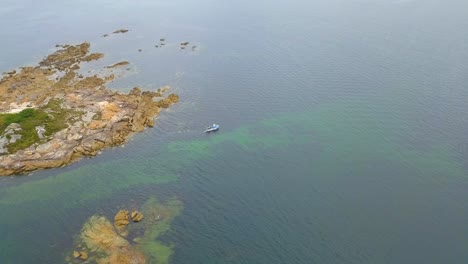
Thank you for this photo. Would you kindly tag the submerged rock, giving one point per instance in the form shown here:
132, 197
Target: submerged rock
99, 236
120, 31
118, 64
100, 241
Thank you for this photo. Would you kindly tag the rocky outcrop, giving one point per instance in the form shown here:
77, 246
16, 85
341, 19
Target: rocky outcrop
101, 117
100, 237
101, 242
83, 255
136, 216
121, 221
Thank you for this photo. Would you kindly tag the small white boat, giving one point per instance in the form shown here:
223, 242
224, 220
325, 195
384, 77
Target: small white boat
212, 128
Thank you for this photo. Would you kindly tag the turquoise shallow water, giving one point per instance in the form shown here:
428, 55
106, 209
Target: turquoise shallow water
343, 133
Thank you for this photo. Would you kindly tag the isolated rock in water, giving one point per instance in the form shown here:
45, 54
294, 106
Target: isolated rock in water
120, 31
87, 117
118, 64
121, 220
136, 216
184, 43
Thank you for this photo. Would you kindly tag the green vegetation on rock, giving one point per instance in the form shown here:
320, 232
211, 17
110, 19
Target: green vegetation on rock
52, 117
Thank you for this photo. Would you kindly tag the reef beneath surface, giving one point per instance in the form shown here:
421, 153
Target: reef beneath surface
132, 239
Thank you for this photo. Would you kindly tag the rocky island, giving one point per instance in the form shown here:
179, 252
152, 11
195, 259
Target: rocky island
52, 114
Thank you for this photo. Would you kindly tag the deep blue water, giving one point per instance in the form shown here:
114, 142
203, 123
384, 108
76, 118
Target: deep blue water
343, 134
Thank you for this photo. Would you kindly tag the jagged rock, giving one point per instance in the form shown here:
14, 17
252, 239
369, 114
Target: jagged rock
136, 216
136, 91
121, 220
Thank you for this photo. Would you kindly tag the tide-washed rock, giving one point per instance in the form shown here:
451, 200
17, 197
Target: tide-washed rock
83, 255
100, 117
100, 237
121, 221
136, 216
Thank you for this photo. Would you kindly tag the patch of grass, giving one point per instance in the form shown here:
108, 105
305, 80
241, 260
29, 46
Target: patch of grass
52, 116
28, 119
57, 117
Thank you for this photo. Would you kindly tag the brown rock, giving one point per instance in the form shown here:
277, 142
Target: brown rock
109, 110
149, 122
136, 91
173, 97
118, 64
83, 255
99, 236
96, 124
121, 220
136, 216
120, 31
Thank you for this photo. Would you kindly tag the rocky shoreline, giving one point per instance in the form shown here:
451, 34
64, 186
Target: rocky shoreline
93, 117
